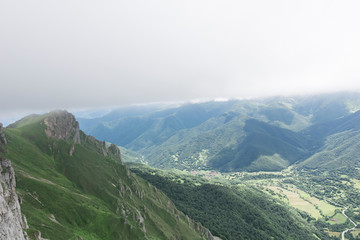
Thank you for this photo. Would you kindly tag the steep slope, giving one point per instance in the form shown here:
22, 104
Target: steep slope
339, 141
265, 147
75, 187
326, 107
230, 212
142, 127
341, 150
187, 137
12, 222
217, 135
322, 130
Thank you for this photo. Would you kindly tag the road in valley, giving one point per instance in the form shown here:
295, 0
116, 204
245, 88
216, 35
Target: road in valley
350, 229
343, 212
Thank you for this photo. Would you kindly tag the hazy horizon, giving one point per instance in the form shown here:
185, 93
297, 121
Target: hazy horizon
90, 54
13, 116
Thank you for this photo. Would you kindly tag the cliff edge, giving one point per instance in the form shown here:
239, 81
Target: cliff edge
12, 222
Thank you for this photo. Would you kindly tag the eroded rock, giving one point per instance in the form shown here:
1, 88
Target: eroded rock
12, 222
62, 125
2, 135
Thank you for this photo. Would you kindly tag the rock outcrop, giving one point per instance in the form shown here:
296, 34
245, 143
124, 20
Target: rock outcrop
12, 222
104, 148
2, 135
62, 125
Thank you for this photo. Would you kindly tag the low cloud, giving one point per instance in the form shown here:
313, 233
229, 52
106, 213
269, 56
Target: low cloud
83, 54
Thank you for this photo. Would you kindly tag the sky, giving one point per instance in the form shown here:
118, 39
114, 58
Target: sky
79, 54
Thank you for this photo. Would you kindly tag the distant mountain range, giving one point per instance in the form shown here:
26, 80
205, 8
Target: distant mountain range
261, 134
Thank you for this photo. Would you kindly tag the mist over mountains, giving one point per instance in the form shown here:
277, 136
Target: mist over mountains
198, 168
180, 120
260, 134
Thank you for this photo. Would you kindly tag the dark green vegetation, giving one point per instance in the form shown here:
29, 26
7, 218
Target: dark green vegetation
268, 134
263, 139
231, 212
340, 147
313, 140
340, 187
73, 186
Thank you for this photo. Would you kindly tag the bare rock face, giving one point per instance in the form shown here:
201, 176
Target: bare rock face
62, 125
12, 222
104, 148
114, 150
2, 135
37, 236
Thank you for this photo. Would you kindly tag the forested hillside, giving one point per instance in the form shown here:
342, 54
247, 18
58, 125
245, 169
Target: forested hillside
240, 212
261, 134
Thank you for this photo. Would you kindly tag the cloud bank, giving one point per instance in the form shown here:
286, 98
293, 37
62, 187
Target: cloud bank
82, 54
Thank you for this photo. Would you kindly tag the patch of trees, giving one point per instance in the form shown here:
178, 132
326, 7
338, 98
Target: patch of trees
233, 213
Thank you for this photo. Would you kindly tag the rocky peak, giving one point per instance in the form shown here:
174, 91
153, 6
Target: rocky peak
62, 125
2, 135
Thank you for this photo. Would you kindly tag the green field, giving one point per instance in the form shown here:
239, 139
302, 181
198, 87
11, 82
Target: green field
338, 218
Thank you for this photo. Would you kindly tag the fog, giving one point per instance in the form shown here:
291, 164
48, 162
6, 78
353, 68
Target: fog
89, 54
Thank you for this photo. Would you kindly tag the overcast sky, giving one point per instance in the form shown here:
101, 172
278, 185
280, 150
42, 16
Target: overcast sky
86, 53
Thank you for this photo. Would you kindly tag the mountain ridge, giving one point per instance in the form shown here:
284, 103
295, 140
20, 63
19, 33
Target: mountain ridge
225, 135
74, 186
12, 222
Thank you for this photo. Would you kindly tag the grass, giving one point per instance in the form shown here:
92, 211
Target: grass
91, 195
334, 234
294, 199
356, 183
355, 232
325, 208
339, 218
303, 201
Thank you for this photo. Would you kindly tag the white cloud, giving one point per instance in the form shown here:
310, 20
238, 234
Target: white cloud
66, 54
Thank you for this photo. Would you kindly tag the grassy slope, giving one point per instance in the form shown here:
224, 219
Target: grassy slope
87, 194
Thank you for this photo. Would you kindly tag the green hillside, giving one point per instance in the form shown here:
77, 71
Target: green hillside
75, 187
283, 147
340, 143
341, 150
258, 134
240, 212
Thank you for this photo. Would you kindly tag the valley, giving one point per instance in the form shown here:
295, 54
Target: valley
277, 168
316, 201
300, 151
180, 120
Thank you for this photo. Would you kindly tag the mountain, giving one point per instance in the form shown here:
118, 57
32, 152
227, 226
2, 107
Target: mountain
340, 147
73, 186
265, 147
144, 126
259, 134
